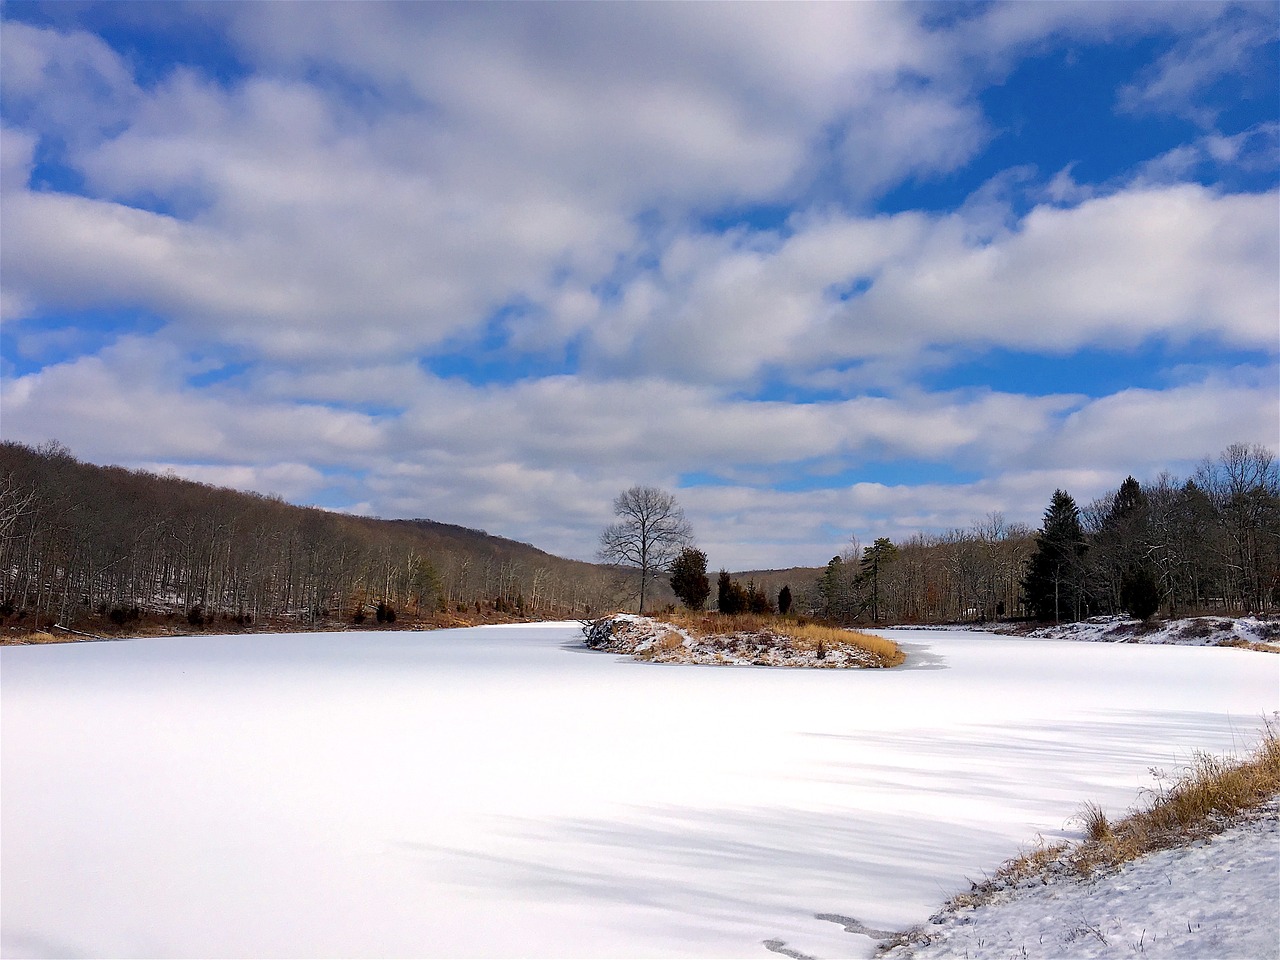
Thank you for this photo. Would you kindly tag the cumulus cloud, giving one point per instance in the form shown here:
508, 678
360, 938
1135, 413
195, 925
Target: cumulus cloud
1175, 261
376, 189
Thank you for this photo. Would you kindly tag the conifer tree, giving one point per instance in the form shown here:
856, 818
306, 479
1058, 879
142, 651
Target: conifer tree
689, 578
1053, 584
874, 559
784, 600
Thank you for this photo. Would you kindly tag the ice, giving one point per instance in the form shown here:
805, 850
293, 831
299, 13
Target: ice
503, 791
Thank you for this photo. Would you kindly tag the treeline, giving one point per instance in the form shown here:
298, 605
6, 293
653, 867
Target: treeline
79, 541
1208, 543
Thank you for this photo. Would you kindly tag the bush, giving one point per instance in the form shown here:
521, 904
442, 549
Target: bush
757, 602
195, 616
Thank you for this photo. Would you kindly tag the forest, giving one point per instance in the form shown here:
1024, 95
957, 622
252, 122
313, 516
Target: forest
1209, 543
82, 544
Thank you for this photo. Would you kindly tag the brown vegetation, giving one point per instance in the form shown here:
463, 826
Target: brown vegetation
1207, 796
797, 632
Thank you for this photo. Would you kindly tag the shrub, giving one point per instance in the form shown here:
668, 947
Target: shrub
757, 602
195, 616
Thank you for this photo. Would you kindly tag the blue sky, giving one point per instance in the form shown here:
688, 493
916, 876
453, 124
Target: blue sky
821, 270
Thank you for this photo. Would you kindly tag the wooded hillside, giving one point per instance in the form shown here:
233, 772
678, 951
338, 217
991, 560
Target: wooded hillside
80, 542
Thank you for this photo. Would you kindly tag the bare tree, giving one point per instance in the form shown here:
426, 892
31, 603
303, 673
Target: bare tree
650, 533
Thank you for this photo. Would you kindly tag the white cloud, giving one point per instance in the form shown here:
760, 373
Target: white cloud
1173, 84
1178, 262
541, 460
391, 176
73, 81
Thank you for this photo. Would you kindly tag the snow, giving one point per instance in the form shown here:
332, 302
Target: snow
1214, 898
504, 791
1190, 631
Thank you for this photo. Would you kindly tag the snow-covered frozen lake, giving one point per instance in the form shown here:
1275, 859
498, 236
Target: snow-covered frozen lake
504, 792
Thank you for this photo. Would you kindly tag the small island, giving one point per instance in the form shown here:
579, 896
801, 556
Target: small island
741, 639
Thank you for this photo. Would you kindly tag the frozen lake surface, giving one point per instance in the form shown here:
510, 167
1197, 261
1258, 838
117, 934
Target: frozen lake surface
502, 791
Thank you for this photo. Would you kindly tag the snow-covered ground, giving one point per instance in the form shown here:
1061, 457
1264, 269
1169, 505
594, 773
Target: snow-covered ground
503, 791
1189, 631
1217, 898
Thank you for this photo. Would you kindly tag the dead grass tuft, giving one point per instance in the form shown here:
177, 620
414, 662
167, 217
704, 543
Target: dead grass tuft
1250, 645
1096, 825
813, 636
37, 636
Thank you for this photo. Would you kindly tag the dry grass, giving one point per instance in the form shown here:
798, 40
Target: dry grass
798, 632
37, 636
1250, 645
1208, 795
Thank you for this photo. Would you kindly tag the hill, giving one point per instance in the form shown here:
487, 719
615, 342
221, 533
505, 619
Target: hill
105, 549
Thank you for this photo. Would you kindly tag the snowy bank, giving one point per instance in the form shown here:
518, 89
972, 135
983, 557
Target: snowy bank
1254, 632
1216, 897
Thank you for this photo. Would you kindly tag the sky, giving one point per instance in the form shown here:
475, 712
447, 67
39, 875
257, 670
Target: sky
820, 271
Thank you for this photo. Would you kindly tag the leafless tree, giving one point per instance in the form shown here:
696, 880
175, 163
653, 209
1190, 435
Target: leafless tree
650, 532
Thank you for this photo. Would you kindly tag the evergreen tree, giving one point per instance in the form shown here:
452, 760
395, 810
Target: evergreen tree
830, 587
1124, 545
784, 600
757, 600
730, 596
1139, 592
689, 578
1054, 579
874, 558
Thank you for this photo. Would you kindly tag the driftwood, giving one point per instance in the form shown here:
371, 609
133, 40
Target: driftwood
78, 633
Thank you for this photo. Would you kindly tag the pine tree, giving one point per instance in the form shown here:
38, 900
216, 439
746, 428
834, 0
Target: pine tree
874, 559
1124, 547
1054, 580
